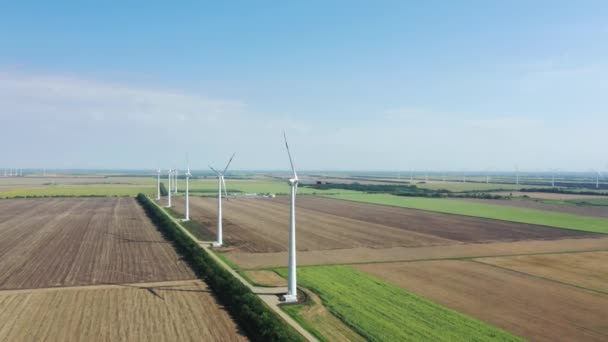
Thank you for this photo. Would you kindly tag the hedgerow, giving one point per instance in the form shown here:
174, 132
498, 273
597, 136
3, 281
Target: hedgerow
257, 320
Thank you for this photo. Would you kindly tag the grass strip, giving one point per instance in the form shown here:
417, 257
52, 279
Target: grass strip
379, 311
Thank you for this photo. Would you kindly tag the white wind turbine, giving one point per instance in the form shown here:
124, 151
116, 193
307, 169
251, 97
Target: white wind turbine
292, 290
220, 182
175, 181
597, 178
188, 175
157, 184
169, 190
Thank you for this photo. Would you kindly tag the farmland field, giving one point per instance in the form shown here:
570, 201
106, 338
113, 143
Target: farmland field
75, 186
553, 219
383, 312
97, 269
260, 225
534, 308
567, 208
169, 311
68, 241
587, 270
366, 255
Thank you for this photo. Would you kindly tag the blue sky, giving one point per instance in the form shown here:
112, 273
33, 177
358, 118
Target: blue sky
362, 85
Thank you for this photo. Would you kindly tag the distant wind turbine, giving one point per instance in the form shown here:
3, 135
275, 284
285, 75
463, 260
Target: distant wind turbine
157, 184
175, 181
188, 175
169, 191
220, 182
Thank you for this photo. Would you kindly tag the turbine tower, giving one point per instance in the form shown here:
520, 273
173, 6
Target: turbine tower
157, 184
292, 289
597, 179
188, 175
175, 181
169, 191
220, 182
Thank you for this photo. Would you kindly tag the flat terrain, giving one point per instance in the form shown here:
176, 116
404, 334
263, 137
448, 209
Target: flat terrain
261, 225
69, 241
587, 270
171, 311
97, 269
383, 312
598, 211
549, 195
65, 185
366, 255
497, 212
537, 309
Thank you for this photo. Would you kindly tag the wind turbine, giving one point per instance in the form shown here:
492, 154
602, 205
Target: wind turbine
175, 181
158, 184
292, 290
169, 191
516, 175
188, 175
597, 179
220, 182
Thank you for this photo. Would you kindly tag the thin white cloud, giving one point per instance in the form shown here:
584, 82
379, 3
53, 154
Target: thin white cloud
35, 98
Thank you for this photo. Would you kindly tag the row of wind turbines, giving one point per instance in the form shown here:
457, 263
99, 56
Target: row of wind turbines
13, 172
596, 176
172, 175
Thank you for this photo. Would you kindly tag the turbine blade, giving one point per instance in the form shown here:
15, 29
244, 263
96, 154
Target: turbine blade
295, 175
229, 161
214, 170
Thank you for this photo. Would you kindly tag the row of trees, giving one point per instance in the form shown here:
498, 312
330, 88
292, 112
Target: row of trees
258, 321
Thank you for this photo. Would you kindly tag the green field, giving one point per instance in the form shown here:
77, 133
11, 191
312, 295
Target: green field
450, 206
209, 186
383, 312
82, 191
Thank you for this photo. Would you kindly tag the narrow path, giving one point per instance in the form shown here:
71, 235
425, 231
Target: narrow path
269, 295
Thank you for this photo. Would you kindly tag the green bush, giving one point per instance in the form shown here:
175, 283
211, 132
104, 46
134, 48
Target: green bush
258, 321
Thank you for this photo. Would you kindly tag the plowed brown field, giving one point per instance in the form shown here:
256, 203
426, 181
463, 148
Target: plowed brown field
538, 309
261, 225
80, 269
69, 241
588, 270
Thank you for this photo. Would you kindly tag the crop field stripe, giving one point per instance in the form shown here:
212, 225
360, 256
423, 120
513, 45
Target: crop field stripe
464, 208
464, 258
506, 269
383, 312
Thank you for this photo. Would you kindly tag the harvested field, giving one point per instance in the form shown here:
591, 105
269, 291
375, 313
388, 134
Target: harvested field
173, 311
261, 225
561, 208
82, 241
538, 309
588, 270
366, 255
